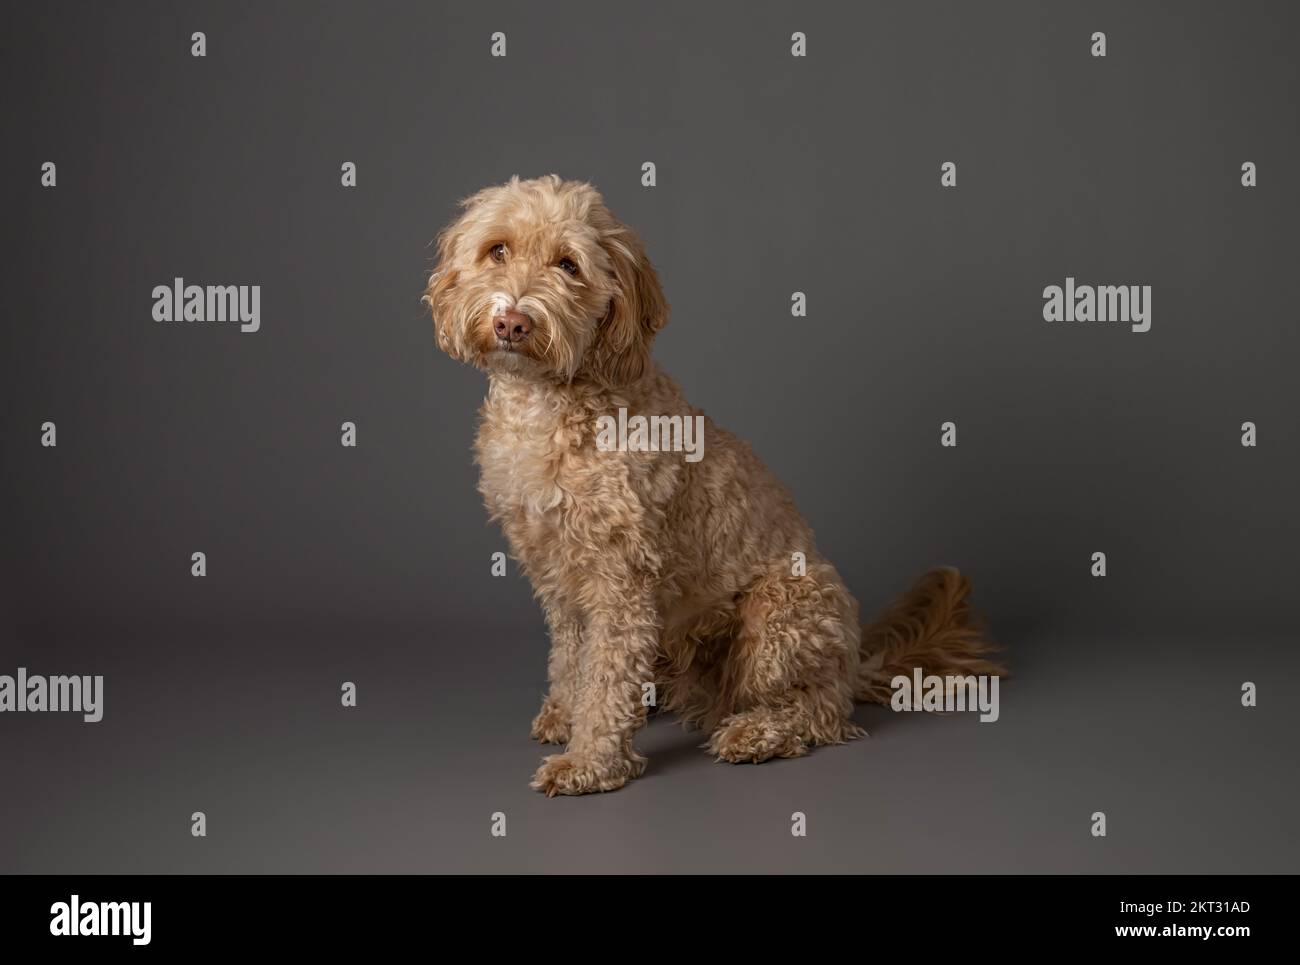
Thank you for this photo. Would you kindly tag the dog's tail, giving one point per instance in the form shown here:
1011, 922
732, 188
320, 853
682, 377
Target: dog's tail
931, 627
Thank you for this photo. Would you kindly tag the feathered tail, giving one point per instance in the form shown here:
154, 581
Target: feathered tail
931, 627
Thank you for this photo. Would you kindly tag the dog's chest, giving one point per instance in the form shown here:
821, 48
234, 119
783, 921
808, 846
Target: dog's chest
525, 437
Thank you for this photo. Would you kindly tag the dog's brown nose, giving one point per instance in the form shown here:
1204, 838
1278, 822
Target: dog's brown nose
512, 326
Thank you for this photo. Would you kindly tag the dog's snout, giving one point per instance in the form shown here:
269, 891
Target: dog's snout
511, 325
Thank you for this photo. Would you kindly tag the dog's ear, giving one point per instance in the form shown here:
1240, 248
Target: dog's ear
637, 310
439, 294
441, 283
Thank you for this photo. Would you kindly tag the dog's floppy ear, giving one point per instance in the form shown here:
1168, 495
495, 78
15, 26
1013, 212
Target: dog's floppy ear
441, 282
438, 294
637, 311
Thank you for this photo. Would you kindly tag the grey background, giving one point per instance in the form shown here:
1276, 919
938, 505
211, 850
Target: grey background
775, 174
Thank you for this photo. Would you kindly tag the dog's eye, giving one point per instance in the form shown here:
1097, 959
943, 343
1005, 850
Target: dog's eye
567, 265
498, 253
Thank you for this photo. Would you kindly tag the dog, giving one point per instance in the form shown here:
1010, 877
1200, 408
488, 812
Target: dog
697, 582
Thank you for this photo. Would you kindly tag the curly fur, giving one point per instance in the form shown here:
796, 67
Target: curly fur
651, 569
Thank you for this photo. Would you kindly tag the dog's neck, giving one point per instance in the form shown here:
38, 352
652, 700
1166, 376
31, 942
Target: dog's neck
553, 391
530, 429
526, 426
521, 385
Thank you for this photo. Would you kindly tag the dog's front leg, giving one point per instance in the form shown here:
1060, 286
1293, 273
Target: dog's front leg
617, 658
553, 722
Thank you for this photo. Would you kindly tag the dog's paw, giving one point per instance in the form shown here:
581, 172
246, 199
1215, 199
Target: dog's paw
580, 774
753, 738
551, 725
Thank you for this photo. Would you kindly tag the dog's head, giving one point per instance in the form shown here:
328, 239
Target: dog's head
538, 278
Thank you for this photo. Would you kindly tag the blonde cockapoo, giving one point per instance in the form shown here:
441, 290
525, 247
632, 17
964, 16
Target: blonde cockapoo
697, 576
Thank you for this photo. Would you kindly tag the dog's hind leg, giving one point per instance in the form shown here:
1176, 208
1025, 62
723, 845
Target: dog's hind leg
789, 675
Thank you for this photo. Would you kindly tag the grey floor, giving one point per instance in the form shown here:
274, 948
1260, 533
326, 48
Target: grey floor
1148, 730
